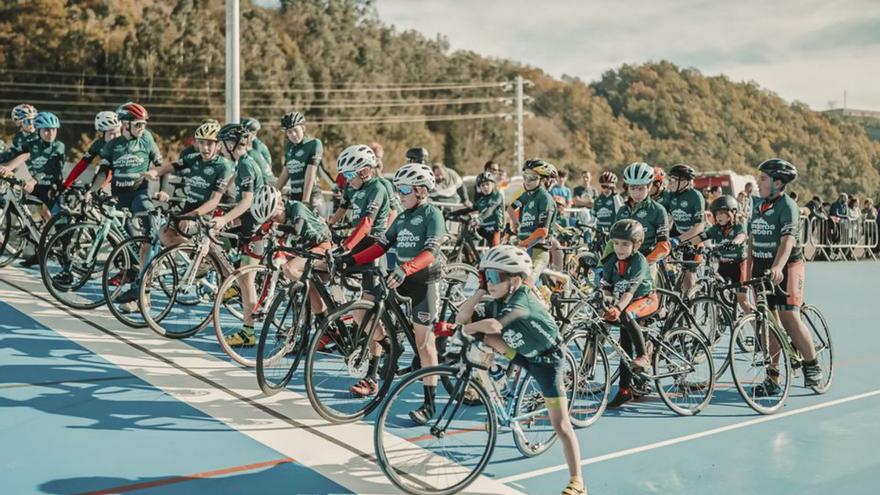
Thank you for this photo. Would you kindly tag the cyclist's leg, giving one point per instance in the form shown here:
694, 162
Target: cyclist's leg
141, 210
424, 307
689, 279
789, 312
540, 260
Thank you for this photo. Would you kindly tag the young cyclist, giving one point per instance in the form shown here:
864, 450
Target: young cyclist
638, 178
205, 178
108, 126
302, 157
364, 196
44, 159
417, 234
608, 202
257, 150
686, 208
516, 325
775, 248
23, 116
729, 237
659, 193
626, 278
489, 208
532, 214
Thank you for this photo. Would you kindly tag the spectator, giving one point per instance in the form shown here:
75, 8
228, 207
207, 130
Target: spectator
855, 212
450, 188
560, 190
745, 207
869, 212
714, 193
793, 195
839, 213
585, 194
815, 207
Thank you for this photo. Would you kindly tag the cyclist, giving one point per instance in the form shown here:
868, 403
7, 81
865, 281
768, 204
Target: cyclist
205, 178
659, 193
23, 116
532, 214
108, 126
626, 278
417, 155
489, 208
44, 159
516, 325
686, 208
417, 234
258, 150
729, 237
638, 177
608, 202
775, 248
364, 196
302, 157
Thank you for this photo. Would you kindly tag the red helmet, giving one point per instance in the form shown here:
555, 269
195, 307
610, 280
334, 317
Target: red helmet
132, 112
659, 174
608, 177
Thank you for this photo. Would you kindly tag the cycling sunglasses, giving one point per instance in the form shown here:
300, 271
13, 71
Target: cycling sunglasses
404, 190
531, 178
349, 175
493, 277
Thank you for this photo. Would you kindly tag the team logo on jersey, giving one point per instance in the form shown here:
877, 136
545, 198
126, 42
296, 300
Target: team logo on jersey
209, 170
642, 214
417, 220
299, 153
684, 204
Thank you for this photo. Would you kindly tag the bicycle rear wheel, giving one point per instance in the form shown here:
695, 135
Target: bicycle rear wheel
339, 358
120, 276
283, 340
228, 312
756, 351
815, 321
594, 378
716, 324
533, 432
13, 239
451, 450
685, 372
74, 262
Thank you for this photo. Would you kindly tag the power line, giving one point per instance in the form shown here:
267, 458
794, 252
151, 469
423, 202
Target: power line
402, 120
220, 80
166, 89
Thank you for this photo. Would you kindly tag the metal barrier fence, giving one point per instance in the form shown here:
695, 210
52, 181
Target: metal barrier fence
839, 239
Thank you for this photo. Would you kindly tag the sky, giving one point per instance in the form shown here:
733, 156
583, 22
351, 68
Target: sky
806, 50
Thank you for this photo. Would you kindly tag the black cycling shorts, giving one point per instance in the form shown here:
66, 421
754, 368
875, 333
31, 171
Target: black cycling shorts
424, 295
549, 376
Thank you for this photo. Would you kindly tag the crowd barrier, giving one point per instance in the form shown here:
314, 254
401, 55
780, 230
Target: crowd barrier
830, 239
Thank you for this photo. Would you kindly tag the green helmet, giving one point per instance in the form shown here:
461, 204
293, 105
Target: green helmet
628, 230
726, 202
638, 174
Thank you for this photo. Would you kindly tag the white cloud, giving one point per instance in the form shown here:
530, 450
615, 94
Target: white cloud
807, 50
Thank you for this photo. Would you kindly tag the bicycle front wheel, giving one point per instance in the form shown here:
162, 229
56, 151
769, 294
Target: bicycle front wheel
13, 236
533, 431
74, 263
120, 277
448, 453
760, 365
813, 319
229, 310
594, 378
716, 324
684, 371
282, 340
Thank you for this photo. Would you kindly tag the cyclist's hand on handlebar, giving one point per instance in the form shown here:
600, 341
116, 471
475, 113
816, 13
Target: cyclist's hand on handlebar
162, 197
218, 223
612, 313
775, 274
395, 278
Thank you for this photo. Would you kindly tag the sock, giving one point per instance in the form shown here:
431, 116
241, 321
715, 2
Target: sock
430, 394
373, 369
248, 328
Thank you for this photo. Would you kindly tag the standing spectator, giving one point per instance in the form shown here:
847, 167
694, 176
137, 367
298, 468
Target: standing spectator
814, 206
745, 207
869, 212
714, 193
450, 188
585, 194
560, 190
855, 211
839, 214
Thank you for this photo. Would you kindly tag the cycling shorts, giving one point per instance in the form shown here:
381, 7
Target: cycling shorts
733, 271
540, 260
138, 202
792, 282
549, 376
424, 295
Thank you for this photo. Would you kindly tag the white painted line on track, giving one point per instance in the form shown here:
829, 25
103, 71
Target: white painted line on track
693, 436
285, 422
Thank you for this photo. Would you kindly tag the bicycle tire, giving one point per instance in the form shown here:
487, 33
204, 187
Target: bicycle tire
742, 374
234, 307
69, 238
818, 326
591, 397
679, 344
122, 260
294, 343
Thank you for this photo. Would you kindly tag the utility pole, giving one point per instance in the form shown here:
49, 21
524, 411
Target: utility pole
520, 145
233, 89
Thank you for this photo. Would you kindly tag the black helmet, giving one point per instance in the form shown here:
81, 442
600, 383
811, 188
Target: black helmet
417, 155
682, 171
292, 119
628, 230
540, 167
726, 202
779, 169
485, 177
233, 132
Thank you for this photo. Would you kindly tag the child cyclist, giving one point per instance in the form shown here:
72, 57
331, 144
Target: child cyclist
516, 324
108, 127
417, 234
489, 208
626, 278
23, 116
729, 237
533, 212
44, 158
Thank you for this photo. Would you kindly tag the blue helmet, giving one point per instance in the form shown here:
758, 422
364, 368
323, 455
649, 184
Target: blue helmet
47, 120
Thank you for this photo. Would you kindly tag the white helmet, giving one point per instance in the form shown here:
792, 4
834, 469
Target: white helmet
638, 174
507, 259
265, 203
106, 121
355, 158
415, 174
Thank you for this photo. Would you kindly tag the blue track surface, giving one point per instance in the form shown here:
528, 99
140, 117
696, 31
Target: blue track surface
71, 422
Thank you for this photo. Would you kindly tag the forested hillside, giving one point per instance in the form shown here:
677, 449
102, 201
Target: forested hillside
358, 79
